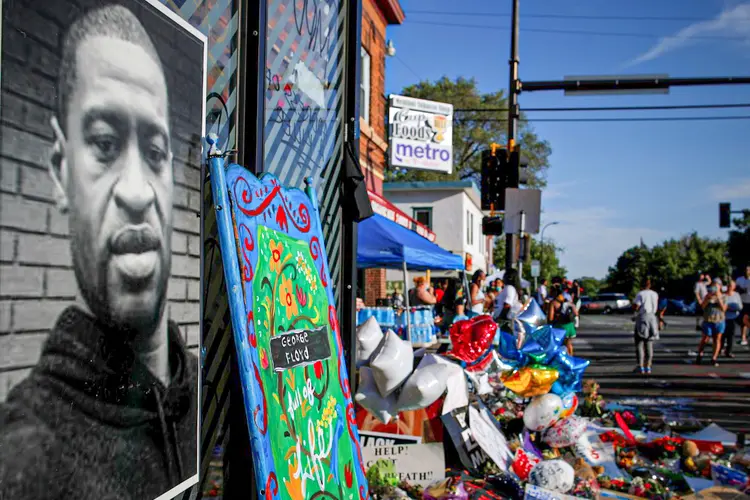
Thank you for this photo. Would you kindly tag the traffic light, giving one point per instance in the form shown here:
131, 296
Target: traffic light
492, 226
494, 178
725, 214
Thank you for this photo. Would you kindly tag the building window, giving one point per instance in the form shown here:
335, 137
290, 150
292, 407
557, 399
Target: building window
364, 86
423, 215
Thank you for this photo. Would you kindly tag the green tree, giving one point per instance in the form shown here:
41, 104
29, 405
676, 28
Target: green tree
590, 285
474, 131
672, 266
546, 254
739, 243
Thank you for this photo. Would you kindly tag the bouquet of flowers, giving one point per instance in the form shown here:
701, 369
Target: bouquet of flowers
593, 403
649, 488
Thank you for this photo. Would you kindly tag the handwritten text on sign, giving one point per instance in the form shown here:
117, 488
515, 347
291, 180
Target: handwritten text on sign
416, 463
300, 347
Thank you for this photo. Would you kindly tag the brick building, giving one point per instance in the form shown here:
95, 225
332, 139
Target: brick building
373, 142
36, 271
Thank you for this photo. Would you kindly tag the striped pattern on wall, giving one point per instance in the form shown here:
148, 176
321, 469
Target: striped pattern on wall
219, 20
304, 106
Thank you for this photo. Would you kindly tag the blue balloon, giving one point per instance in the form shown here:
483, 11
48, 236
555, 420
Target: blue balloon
507, 348
532, 316
570, 370
550, 339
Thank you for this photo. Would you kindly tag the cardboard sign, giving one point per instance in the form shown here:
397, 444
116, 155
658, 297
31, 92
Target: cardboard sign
299, 348
370, 438
489, 438
536, 493
416, 463
472, 456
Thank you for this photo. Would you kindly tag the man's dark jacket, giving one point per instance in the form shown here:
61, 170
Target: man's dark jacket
91, 422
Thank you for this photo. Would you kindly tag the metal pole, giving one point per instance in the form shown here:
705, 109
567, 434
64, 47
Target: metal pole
521, 253
408, 306
513, 111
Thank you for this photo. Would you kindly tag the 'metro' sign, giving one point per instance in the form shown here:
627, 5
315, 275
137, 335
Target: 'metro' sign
420, 134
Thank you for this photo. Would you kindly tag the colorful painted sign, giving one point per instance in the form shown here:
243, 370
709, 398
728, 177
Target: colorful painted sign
420, 134
297, 397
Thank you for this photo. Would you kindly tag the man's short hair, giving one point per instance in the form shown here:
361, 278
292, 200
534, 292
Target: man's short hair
113, 21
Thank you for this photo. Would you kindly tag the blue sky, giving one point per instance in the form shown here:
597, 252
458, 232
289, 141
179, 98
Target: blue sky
610, 184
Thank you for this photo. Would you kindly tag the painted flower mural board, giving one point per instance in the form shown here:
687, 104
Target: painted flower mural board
297, 399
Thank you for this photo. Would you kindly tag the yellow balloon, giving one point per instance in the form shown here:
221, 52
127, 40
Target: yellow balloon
528, 381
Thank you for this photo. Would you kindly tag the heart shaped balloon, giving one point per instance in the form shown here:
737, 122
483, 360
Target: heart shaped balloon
472, 338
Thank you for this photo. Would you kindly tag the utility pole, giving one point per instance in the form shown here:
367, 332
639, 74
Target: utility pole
513, 115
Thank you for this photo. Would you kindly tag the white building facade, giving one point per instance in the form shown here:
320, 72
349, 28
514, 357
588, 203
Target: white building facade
452, 210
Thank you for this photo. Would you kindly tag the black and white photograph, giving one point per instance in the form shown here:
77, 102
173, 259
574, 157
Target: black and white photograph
101, 122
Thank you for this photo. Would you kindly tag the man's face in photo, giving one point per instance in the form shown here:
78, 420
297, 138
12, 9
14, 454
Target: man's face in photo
119, 181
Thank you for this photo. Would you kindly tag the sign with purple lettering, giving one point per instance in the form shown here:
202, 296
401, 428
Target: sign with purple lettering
420, 134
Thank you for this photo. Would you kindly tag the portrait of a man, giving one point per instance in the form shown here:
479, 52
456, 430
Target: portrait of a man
110, 408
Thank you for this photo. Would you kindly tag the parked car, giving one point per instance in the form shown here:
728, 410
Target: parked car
605, 303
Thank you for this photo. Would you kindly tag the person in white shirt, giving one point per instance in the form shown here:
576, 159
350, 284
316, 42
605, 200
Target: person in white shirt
508, 302
541, 292
646, 304
700, 291
743, 287
732, 317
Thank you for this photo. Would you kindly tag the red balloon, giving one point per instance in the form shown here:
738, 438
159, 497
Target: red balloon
472, 337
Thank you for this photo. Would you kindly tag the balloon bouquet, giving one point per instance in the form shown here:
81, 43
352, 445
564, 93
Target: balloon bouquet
535, 365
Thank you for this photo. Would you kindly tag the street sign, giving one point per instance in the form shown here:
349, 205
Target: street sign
620, 78
535, 268
528, 201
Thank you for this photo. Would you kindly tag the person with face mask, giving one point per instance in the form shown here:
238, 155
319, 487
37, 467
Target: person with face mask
714, 309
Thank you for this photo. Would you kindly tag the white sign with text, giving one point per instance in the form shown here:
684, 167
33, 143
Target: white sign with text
416, 463
420, 134
489, 438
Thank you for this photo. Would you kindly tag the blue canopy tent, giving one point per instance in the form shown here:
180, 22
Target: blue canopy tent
382, 243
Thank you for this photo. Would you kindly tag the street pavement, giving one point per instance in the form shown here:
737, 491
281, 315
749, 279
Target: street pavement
677, 388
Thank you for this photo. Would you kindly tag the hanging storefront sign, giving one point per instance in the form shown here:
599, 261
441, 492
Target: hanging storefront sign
103, 111
388, 210
420, 134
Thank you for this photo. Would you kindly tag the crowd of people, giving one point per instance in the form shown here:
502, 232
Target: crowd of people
722, 310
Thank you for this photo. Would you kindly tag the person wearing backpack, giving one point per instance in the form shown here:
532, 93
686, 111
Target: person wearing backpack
562, 314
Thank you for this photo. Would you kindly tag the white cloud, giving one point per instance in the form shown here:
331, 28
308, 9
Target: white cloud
592, 238
731, 22
737, 190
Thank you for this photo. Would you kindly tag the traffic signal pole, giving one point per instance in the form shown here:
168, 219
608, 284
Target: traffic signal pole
513, 114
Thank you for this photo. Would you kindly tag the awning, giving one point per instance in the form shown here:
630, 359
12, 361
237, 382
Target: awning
385, 244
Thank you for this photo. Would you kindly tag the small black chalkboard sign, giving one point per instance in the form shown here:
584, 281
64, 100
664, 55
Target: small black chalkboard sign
300, 347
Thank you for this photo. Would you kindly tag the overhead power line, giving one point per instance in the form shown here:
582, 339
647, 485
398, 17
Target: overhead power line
570, 32
612, 108
643, 119
557, 16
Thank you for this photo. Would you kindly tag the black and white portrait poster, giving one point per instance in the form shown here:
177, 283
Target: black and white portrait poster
101, 120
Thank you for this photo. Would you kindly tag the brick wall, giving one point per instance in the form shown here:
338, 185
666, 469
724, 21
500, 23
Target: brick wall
374, 286
36, 277
373, 138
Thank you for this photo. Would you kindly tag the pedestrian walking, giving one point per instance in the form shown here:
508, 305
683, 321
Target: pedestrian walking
733, 317
743, 287
561, 314
700, 290
646, 305
476, 292
576, 291
714, 310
